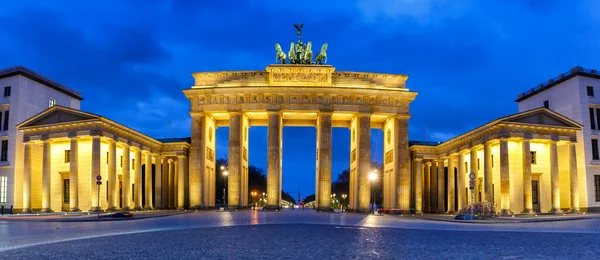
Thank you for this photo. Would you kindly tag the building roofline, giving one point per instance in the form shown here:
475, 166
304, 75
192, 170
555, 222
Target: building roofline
23, 71
576, 71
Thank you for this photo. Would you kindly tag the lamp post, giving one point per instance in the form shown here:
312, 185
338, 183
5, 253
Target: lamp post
372, 178
343, 201
254, 193
225, 173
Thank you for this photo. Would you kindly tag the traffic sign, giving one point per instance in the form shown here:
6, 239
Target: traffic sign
472, 176
98, 177
99, 182
472, 183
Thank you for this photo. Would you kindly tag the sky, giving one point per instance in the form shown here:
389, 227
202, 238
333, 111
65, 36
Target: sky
467, 59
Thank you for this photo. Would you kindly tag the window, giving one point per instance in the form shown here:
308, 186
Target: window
106, 190
534, 192
466, 169
598, 117
133, 164
590, 91
533, 157
7, 91
67, 156
592, 119
492, 161
5, 127
4, 154
595, 155
132, 190
51, 103
3, 191
106, 157
478, 164
121, 161
547, 104
596, 186
66, 189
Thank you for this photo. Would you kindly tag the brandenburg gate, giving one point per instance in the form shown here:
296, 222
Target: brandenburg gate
300, 93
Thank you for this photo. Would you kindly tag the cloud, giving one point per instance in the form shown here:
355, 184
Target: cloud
421, 11
441, 136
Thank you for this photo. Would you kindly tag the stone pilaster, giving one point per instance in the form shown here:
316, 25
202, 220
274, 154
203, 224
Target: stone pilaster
96, 204
324, 159
137, 168
554, 178
148, 182
126, 172
487, 173
364, 161
441, 204
451, 184
460, 182
74, 175
197, 160
418, 185
234, 182
527, 189
574, 177
434, 186
46, 176
27, 177
504, 177
171, 189
180, 182
158, 182
274, 160
474, 168
113, 191
427, 189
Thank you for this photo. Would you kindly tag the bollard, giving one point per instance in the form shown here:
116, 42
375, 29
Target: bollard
2, 210
11, 209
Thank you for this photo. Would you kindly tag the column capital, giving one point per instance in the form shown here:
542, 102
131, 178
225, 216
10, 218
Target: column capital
197, 114
170, 160
234, 112
273, 112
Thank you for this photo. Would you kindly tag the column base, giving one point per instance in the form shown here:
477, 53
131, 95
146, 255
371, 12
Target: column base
575, 210
111, 209
148, 208
326, 209
428, 209
95, 209
46, 211
506, 212
126, 208
556, 211
138, 208
528, 211
451, 212
418, 212
74, 210
26, 211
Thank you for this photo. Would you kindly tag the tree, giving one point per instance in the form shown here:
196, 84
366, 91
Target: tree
342, 184
309, 198
257, 182
287, 197
220, 180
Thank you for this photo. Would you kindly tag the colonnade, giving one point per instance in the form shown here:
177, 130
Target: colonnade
438, 182
84, 163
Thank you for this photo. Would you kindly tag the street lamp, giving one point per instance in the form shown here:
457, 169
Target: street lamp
254, 193
372, 178
343, 201
225, 173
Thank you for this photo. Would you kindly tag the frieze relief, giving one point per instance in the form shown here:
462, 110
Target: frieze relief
303, 99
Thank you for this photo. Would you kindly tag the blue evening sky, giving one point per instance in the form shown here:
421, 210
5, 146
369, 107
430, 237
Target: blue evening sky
467, 59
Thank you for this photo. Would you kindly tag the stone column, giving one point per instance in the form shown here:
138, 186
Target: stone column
418, 185
427, 190
274, 160
26, 177
95, 172
46, 168
504, 177
324, 159
475, 169
434, 188
180, 182
364, 162
148, 181
164, 183
113, 187
235, 161
460, 182
574, 177
171, 191
74, 175
554, 178
126, 177
197, 160
440, 193
527, 190
158, 182
451, 184
487, 174
137, 167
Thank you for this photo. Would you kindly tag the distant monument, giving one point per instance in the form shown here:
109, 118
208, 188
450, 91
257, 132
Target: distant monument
300, 53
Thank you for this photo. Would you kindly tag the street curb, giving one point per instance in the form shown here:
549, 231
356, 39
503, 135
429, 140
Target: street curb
92, 219
504, 222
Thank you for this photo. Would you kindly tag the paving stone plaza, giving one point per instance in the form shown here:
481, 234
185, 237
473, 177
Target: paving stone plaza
296, 235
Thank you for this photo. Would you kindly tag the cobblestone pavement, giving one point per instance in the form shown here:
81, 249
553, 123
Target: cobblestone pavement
388, 236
